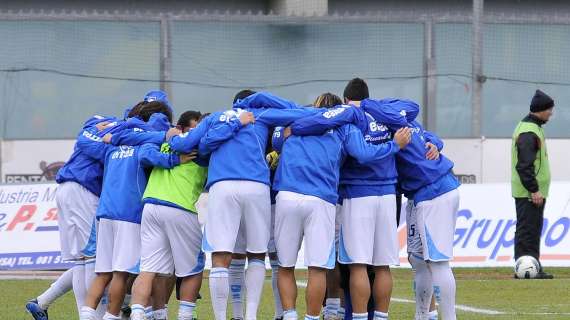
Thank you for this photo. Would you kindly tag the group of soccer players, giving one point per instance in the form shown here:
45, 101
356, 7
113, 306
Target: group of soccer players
276, 174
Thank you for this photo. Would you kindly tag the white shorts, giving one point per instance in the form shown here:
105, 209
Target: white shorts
118, 246
171, 241
298, 216
368, 232
228, 202
337, 219
76, 218
431, 227
240, 246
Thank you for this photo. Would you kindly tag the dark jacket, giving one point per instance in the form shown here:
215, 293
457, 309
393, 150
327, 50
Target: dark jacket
528, 145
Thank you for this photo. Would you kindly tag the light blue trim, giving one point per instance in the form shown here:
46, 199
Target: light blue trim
343, 256
90, 248
206, 246
136, 268
332, 257
433, 253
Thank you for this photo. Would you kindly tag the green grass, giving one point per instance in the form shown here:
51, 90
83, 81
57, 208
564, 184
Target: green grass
488, 288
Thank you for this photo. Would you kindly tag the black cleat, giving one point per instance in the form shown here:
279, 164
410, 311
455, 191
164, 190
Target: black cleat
544, 275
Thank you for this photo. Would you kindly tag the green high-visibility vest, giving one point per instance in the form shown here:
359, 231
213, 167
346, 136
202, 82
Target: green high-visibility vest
541, 165
180, 185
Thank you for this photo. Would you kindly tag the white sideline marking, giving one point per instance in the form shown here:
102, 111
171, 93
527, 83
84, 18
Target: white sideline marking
465, 308
303, 284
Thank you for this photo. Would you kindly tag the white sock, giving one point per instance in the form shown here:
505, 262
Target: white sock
290, 314
110, 316
185, 310
79, 289
160, 314
63, 284
254, 278
423, 286
149, 313
380, 315
433, 315
102, 307
88, 314
444, 288
137, 312
360, 316
236, 275
89, 272
276, 296
341, 312
219, 291
308, 317
331, 307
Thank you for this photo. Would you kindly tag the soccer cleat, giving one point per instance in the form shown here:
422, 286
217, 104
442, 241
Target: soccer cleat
544, 275
34, 309
126, 311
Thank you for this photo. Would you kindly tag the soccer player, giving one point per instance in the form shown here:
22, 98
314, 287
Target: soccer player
425, 177
170, 232
77, 199
307, 180
119, 212
368, 235
238, 183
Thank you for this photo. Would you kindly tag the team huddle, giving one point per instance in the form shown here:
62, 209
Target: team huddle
141, 200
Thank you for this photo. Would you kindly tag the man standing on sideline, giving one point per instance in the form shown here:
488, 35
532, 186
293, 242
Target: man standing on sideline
530, 179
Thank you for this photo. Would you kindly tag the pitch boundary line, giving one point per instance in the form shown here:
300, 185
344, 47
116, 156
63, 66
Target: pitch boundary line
466, 308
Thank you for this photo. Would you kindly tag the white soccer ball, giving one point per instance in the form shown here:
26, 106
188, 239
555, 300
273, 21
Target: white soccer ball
526, 267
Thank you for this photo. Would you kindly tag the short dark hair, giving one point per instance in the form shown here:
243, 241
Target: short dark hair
136, 109
356, 90
243, 94
188, 116
153, 107
327, 100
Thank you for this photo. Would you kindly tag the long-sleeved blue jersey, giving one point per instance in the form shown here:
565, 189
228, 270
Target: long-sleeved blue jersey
81, 168
310, 165
357, 179
242, 156
415, 172
125, 176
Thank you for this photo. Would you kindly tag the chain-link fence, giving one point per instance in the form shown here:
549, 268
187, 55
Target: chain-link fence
473, 79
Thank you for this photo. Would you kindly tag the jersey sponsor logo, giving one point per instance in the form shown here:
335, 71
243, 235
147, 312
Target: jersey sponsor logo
374, 126
123, 152
230, 115
334, 112
91, 136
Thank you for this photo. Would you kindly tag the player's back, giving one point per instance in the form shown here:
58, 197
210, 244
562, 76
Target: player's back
124, 182
310, 165
241, 157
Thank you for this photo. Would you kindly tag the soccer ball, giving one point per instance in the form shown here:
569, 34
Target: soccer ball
526, 267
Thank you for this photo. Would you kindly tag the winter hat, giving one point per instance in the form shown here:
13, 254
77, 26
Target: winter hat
540, 102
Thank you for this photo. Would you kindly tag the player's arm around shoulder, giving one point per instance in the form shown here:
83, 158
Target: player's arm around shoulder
366, 152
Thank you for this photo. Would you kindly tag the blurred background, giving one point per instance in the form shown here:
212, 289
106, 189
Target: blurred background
472, 65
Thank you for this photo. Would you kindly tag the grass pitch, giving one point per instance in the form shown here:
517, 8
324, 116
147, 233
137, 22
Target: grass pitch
488, 293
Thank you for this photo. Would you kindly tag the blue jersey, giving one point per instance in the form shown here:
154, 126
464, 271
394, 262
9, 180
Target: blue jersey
310, 165
125, 175
81, 168
415, 172
242, 156
358, 179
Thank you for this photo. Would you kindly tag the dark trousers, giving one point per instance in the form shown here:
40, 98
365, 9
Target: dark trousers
529, 228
